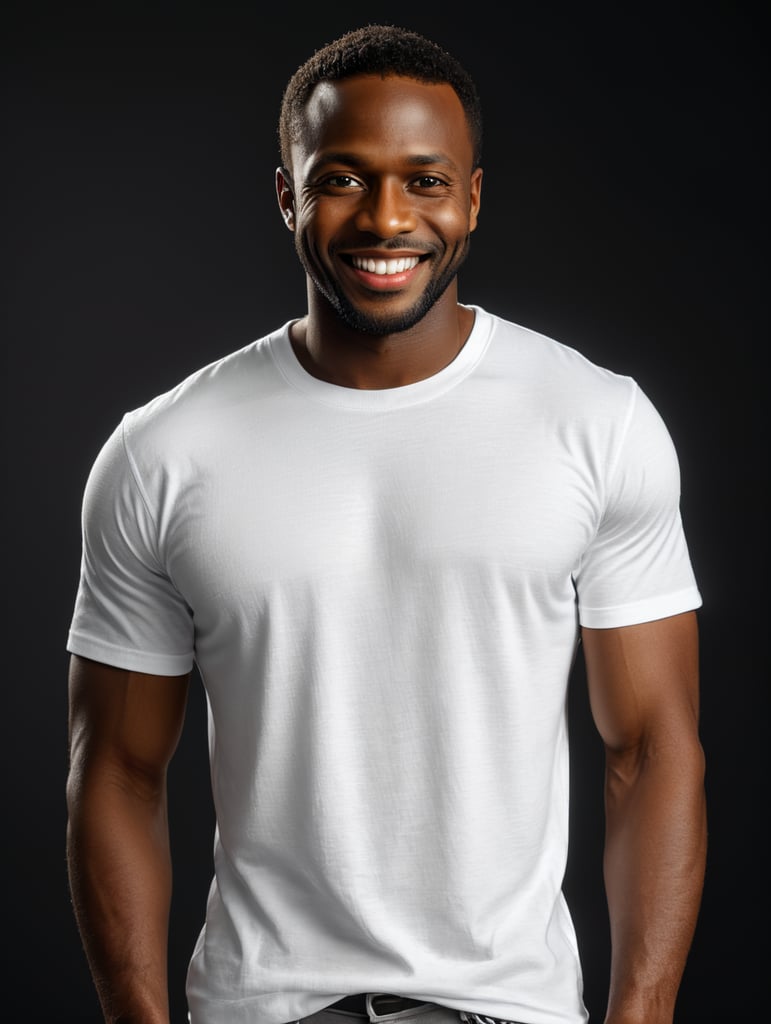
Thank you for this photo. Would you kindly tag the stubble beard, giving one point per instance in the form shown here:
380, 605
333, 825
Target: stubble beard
381, 324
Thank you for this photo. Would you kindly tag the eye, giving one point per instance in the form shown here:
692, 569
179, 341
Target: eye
341, 181
428, 181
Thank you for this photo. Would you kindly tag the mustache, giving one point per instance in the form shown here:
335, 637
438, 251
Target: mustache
394, 244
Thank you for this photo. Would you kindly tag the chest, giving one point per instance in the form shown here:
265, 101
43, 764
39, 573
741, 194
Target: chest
346, 495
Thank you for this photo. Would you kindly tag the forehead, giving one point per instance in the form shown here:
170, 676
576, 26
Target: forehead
386, 115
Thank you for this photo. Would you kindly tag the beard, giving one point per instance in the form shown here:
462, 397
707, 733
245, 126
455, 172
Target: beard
384, 323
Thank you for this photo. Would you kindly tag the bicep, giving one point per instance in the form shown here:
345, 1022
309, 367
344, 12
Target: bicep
643, 681
131, 720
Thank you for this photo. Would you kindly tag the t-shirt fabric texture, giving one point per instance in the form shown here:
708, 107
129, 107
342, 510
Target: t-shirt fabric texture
381, 590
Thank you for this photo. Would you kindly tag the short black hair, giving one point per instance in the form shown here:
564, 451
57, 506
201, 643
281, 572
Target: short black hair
377, 50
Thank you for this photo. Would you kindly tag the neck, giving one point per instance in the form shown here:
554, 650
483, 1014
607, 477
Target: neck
333, 352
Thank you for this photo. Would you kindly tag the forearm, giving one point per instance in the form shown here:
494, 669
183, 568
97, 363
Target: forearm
120, 877
654, 869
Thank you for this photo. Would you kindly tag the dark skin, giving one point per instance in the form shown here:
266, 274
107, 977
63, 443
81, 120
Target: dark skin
384, 172
399, 184
124, 728
643, 688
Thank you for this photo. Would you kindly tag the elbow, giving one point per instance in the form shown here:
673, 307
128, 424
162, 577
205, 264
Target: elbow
668, 767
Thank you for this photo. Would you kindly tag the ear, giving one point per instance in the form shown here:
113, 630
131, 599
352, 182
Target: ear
475, 198
285, 196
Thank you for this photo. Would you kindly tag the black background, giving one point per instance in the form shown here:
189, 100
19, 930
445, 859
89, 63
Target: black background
624, 213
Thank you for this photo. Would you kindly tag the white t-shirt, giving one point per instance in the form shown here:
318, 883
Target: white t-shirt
381, 590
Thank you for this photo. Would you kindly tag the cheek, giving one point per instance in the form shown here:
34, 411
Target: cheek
452, 220
317, 222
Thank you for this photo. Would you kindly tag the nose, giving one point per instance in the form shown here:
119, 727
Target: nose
386, 210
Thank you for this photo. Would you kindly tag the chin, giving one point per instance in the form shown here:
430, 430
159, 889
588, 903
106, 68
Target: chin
380, 324
384, 322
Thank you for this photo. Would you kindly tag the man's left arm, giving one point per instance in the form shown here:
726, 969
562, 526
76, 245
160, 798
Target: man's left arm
643, 690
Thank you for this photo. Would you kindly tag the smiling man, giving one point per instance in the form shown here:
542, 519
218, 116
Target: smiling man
382, 533
382, 209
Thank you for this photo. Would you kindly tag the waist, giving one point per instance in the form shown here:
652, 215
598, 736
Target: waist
377, 1005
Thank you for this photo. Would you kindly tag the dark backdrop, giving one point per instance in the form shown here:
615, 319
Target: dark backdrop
624, 213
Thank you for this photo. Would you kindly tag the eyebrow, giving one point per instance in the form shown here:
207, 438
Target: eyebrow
354, 160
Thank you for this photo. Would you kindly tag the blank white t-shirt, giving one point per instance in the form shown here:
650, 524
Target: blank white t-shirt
382, 590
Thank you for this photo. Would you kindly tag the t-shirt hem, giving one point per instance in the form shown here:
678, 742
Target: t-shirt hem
126, 658
641, 611
248, 1010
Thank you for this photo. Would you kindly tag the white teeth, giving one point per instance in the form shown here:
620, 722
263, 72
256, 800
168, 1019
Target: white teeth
385, 266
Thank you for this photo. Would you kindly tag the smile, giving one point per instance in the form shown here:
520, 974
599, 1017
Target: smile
387, 267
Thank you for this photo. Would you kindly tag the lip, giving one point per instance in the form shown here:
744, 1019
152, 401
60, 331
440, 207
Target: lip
396, 277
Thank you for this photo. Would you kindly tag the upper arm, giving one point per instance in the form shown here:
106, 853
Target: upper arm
128, 720
643, 682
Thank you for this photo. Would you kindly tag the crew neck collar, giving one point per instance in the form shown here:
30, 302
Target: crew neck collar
380, 399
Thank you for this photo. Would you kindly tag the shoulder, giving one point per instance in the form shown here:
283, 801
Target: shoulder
554, 372
207, 398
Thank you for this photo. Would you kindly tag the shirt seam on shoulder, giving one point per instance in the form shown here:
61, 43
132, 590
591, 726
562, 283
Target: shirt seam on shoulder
135, 476
613, 468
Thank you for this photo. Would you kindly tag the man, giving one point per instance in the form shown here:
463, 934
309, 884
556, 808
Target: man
378, 532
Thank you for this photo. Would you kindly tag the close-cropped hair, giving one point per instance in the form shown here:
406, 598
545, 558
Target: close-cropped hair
377, 50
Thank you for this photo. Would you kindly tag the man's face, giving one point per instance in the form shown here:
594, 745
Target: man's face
385, 198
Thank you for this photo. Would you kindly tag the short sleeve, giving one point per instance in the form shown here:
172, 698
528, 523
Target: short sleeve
127, 611
637, 567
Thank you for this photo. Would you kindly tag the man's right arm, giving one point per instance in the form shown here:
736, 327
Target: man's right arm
124, 728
